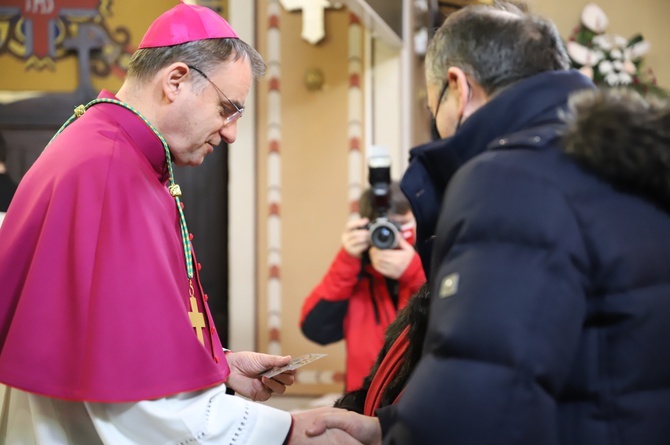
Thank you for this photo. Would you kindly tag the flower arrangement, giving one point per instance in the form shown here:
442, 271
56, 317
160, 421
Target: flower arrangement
609, 59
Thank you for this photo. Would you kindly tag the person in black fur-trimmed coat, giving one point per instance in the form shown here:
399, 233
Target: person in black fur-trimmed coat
414, 319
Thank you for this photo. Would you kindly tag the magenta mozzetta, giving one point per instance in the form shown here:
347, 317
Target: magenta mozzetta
114, 330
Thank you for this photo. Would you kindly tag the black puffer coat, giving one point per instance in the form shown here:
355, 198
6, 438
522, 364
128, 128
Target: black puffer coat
550, 288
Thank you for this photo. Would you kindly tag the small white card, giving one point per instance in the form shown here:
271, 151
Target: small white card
293, 364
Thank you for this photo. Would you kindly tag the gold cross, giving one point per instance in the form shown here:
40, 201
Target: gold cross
197, 319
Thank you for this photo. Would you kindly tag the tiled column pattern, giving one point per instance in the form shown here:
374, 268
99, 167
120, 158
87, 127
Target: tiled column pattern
274, 177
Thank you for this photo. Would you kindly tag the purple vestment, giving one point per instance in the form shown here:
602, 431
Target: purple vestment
94, 296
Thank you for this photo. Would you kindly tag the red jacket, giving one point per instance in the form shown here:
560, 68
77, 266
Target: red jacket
357, 306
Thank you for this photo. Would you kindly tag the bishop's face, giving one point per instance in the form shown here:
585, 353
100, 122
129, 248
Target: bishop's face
205, 116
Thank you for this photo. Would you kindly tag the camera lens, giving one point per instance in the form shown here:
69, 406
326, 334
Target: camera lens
384, 235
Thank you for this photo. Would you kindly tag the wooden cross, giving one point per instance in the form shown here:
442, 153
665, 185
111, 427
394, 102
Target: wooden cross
197, 320
89, 38
312, 17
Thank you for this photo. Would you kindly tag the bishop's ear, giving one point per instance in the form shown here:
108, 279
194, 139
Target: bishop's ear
174, 78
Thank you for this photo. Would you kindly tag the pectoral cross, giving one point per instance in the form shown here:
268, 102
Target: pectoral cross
312, 17
197, 319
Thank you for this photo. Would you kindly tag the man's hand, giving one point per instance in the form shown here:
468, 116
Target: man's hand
326, 423
356, 238
304, 421
392, 263
244, 370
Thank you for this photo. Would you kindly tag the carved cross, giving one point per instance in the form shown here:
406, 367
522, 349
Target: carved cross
90, 37
197, 320
312, 17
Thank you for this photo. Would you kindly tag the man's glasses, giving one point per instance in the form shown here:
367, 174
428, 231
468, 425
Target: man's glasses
230, 118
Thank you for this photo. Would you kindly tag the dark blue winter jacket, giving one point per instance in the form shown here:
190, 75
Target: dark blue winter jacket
550, 288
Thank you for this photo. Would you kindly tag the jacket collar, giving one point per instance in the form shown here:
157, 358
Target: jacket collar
528, 103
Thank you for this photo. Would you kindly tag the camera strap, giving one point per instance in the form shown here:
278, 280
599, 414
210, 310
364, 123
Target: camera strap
393, 288
363, 274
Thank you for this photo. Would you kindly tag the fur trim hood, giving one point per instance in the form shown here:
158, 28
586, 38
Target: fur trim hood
624, 138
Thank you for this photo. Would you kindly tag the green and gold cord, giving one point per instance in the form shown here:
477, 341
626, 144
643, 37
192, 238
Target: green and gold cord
174, 189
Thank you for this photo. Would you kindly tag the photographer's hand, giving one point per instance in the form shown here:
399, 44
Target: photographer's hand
355, 239
392, 263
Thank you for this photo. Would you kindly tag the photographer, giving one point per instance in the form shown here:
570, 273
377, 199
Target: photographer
365, 286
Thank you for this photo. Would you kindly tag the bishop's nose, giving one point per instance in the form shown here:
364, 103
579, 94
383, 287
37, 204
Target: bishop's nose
229, 132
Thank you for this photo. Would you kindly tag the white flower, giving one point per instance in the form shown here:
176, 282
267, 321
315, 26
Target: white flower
605, 67
625, 79
609, 42
621, 42
603, 41
582, 55
638, 50
594, 18
612, 79
606, 56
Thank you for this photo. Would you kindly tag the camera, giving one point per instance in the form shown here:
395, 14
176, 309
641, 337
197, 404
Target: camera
384, 233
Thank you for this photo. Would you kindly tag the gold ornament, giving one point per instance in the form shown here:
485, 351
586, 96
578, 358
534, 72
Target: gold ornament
79, 111
175, 190
314, 79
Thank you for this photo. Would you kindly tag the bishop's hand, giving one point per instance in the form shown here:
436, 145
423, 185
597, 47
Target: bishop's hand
245, 367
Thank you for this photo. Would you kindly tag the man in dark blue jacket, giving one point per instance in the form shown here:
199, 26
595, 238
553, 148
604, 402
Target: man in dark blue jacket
550, 269
470, 64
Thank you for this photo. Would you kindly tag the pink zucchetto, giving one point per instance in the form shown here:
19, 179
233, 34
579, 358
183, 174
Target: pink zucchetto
186, 23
